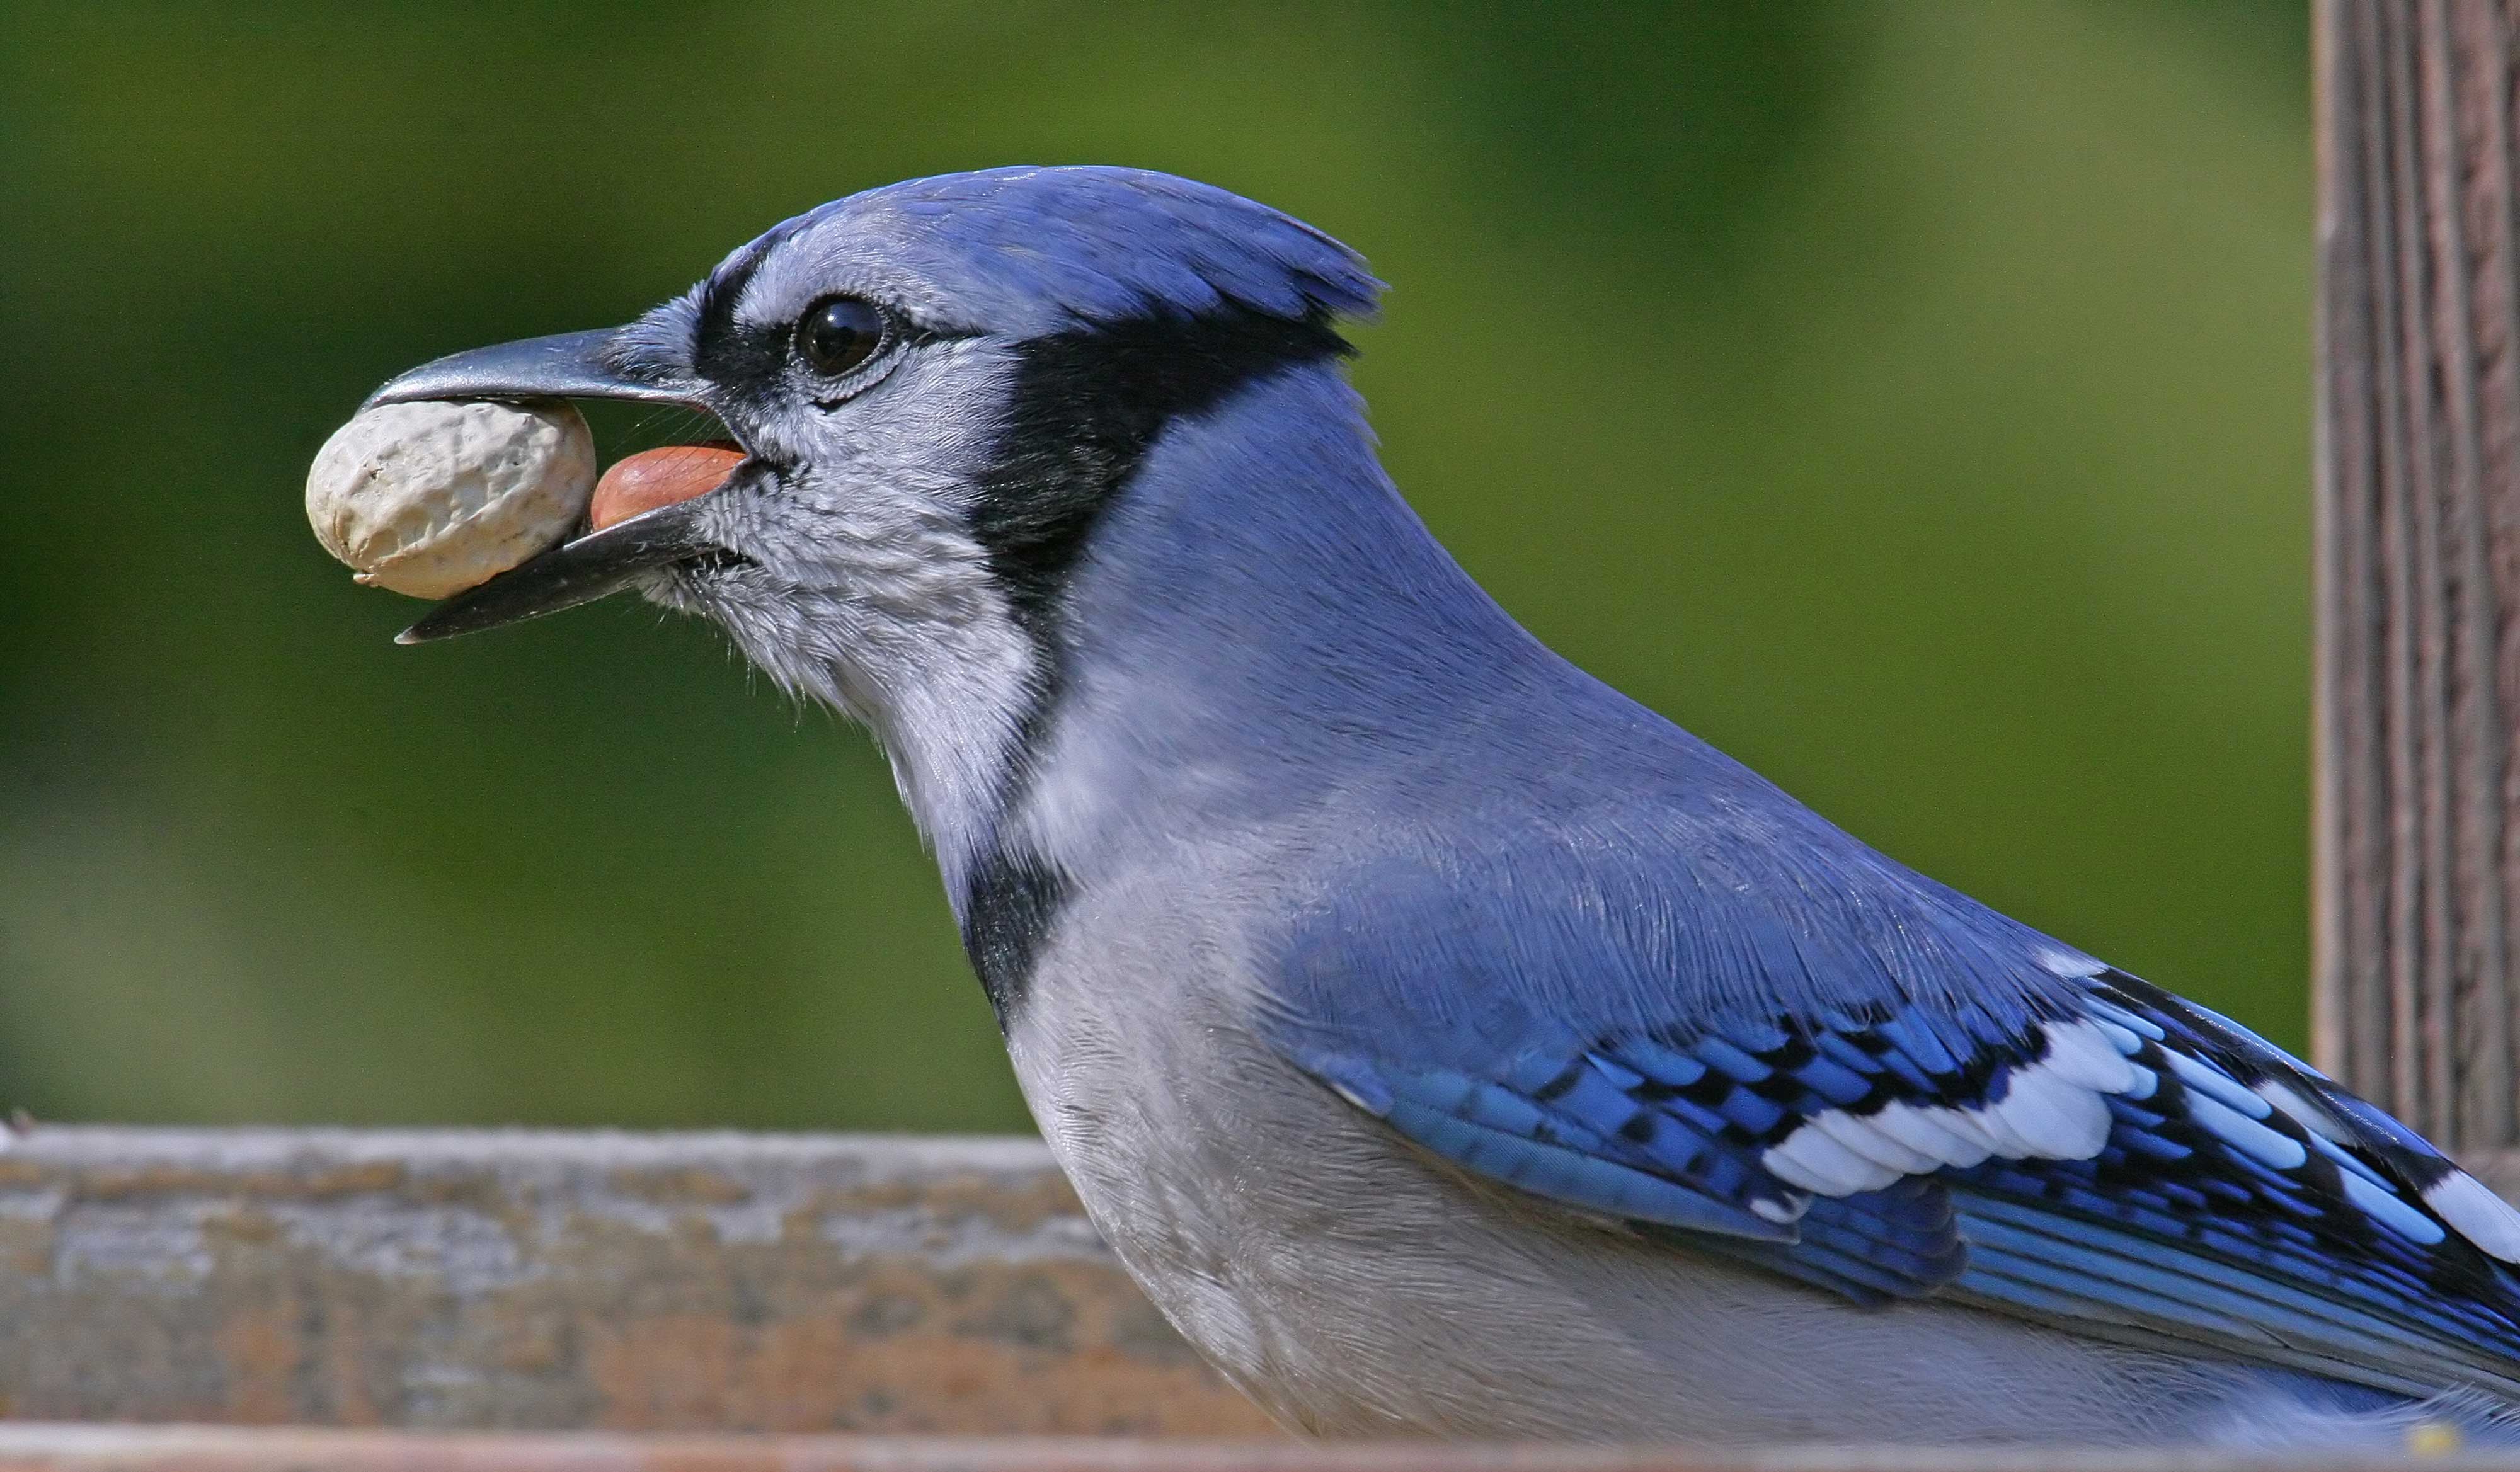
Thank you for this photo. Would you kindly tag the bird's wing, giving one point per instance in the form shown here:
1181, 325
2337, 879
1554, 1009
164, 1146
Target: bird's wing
2242, 1199
2103, 1154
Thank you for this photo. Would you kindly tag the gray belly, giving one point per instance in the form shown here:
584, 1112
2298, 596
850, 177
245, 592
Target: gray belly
1352, 1285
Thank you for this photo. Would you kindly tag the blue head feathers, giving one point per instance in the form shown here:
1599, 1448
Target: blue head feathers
1025, 251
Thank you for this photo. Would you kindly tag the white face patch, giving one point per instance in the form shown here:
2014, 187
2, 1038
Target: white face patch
865, 589
902, 630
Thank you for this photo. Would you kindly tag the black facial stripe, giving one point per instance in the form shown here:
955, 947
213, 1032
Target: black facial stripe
1009, 903
718, 560
1086, 407
1087, 404
718, 331
752, 363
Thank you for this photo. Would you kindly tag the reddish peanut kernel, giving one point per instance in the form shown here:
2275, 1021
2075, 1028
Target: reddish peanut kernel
652, 478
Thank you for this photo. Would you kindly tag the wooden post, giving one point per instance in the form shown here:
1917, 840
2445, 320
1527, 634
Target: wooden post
2417, 840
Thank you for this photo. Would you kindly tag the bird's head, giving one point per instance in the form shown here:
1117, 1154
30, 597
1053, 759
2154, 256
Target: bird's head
940, 386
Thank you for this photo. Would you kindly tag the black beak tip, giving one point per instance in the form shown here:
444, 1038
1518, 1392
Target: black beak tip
577, 572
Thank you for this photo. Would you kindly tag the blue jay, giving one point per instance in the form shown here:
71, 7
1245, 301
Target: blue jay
1448, 1043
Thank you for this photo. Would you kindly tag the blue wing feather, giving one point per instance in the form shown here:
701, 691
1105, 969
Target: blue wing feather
1638, 981
2104, 1154
2318, 1213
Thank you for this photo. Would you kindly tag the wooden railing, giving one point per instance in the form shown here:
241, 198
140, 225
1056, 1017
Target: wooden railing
216, 1301
691, 1283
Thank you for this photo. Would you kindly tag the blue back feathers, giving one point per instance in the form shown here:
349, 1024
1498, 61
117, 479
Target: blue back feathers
1688, 1007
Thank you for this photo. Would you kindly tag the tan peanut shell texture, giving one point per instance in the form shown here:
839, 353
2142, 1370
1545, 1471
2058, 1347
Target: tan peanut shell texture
431, 497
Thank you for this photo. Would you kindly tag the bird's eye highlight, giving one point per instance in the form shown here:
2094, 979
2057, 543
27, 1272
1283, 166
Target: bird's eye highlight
838, 334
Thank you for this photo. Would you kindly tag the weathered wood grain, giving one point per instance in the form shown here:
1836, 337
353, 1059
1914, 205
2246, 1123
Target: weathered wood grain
2417, 810
125, 1448
719, 1282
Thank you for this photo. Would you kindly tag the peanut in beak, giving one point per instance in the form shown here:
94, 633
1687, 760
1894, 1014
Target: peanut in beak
652, 478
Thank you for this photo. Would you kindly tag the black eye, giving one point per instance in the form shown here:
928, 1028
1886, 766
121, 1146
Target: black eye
838, 334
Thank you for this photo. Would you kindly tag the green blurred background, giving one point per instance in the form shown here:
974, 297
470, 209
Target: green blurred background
1909, 397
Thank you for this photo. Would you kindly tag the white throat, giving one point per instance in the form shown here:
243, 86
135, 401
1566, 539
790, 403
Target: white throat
900, 627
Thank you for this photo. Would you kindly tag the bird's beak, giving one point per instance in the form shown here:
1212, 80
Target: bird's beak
593, 566
569, 366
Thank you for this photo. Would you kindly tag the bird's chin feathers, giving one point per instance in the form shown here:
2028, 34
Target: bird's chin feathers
884, 611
